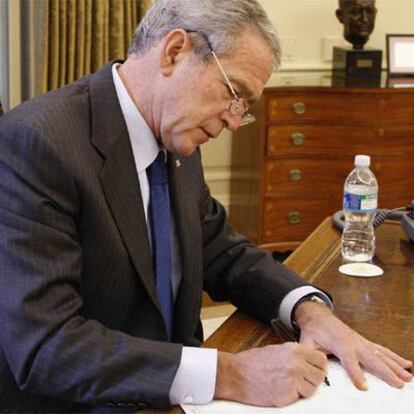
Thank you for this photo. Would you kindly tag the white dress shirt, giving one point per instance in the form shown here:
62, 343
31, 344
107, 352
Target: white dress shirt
194, 382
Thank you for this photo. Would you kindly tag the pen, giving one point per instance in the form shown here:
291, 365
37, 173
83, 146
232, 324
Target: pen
286, 334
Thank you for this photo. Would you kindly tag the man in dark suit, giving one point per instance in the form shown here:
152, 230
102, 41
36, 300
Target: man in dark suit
84, 324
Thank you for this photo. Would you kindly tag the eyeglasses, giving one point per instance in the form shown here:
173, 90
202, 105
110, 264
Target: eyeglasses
238, 106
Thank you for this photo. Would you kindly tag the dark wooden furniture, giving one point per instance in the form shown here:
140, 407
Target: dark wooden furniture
381, 308
289, 168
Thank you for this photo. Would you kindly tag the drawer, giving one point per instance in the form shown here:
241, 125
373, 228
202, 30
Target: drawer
305, 177
314, 139
324, 179
292, 219
340, 107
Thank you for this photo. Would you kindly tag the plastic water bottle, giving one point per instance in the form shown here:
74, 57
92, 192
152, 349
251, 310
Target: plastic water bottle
360, 205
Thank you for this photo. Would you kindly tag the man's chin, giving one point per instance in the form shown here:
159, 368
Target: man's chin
186, 151
183, 149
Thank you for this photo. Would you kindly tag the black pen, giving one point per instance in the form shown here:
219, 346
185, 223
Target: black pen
286, 334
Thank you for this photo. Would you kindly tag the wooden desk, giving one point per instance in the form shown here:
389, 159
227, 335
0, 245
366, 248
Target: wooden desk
381, 308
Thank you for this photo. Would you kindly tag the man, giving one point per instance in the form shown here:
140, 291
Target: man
358, 18
85, 310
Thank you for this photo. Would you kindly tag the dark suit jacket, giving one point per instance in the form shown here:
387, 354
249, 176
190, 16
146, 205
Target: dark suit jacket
80, 324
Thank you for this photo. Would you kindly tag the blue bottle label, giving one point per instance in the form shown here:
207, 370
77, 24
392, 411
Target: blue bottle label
360, 202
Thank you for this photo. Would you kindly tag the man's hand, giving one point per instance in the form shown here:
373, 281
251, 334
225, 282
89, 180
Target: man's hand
274, 375
321, 330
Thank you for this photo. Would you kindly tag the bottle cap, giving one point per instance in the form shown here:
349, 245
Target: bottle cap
362, 160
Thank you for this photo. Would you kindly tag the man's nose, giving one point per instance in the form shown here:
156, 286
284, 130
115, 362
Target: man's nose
364, 16
232, 121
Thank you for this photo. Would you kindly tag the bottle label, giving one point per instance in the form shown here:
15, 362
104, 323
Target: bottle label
360, 202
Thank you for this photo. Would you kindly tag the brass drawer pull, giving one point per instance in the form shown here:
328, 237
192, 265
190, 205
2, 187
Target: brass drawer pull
298, 139
295, 175
294, 217
299, 108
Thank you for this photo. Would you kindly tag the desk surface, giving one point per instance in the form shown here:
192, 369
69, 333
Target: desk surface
381, 308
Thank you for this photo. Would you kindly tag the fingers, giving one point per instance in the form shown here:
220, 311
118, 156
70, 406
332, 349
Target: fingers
307, 370
351, 366
377, 365
308, 341
314, 376
387, 369
276, 375
317, 368
316, 358
405, 363
354, 352
382, 363
306, 389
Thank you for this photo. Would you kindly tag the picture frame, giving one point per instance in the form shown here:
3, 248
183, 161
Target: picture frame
400, 55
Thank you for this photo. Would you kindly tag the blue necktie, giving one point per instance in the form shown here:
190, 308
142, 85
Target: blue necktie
161, 237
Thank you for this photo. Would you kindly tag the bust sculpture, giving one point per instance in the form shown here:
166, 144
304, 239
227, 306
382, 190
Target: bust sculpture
358, 18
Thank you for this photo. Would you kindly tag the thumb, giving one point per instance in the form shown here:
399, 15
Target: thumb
308, 341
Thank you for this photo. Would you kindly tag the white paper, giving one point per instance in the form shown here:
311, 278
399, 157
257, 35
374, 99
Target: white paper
404, 55
340, 398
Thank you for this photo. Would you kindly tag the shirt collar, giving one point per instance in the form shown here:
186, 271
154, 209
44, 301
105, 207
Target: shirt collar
144, 144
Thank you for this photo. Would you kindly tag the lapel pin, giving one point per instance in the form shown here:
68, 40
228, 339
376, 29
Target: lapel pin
177, 163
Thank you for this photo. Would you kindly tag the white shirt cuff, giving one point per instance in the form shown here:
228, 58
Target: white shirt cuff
195, 380
290, 300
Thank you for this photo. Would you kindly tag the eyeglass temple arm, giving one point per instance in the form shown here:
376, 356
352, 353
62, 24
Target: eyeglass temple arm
225, 75
217, 61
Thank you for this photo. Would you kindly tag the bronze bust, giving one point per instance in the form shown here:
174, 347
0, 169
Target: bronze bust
358, 18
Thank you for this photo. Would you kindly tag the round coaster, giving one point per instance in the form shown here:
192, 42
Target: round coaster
361, 270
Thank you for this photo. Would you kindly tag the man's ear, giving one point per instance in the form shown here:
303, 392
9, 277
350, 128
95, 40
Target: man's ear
174, 47
340, 15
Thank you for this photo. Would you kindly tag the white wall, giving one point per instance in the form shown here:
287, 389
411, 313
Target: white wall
309, 28
309, 22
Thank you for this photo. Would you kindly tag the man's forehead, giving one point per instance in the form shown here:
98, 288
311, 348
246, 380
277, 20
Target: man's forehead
250, 64
250, 77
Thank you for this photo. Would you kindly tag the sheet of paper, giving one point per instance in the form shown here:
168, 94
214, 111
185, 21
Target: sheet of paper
404, 55
340, 398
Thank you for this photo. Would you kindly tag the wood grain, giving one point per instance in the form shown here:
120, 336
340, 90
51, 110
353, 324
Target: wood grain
337, 123
381, 308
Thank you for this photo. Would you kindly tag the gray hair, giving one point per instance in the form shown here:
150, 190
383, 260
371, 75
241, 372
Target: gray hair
221, 21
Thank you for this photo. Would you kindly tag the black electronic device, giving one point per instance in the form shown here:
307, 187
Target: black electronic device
404, 214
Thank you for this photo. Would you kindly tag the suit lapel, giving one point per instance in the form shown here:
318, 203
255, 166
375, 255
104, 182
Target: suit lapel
118, 176
121, 187
186, 215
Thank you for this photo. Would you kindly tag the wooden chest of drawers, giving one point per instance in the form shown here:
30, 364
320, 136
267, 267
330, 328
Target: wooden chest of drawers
289, 168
